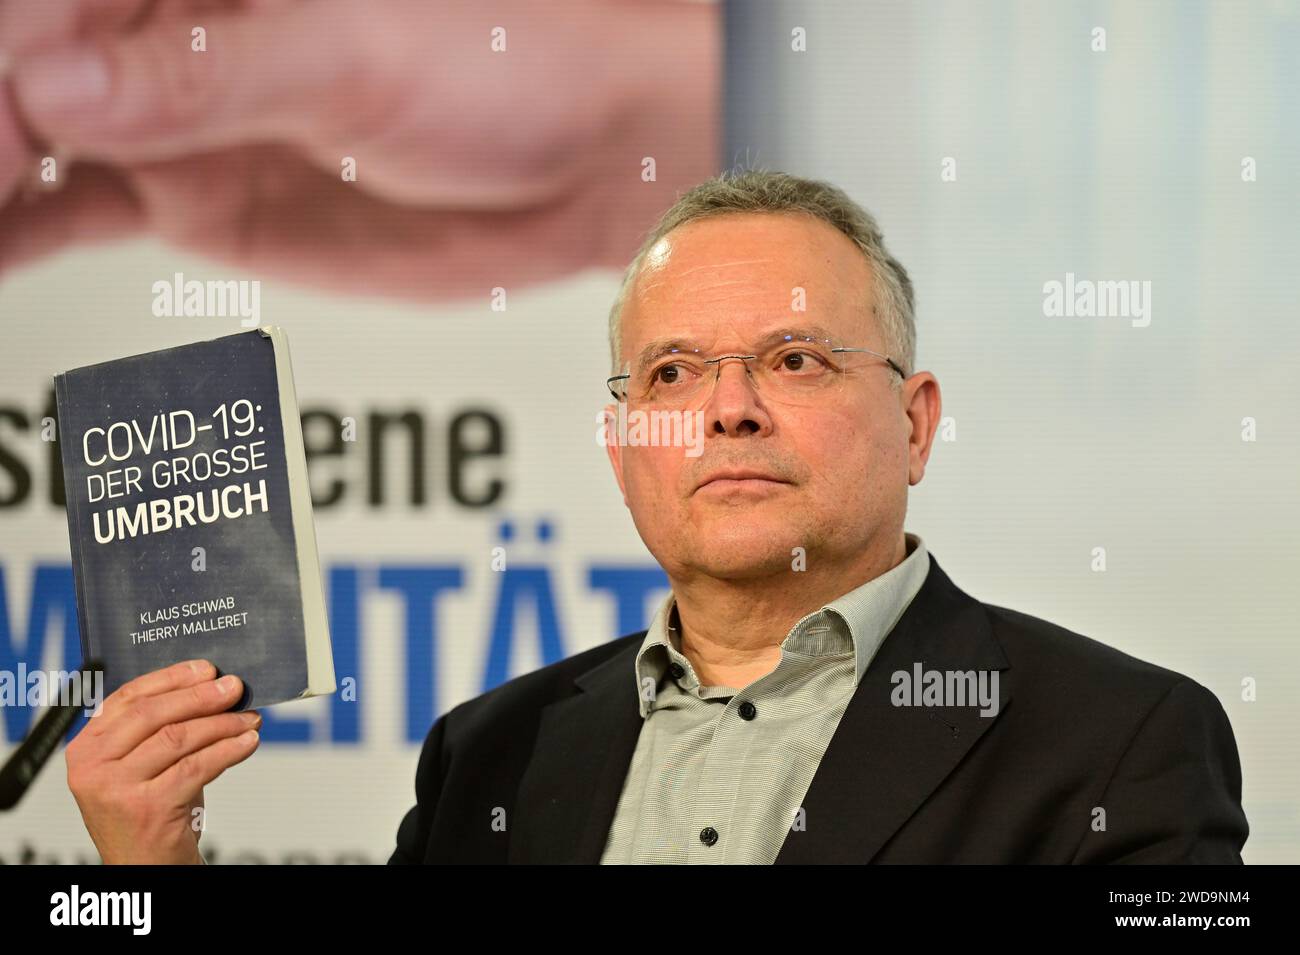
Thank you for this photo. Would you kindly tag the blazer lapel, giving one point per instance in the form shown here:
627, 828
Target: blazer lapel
883, 760
570, 790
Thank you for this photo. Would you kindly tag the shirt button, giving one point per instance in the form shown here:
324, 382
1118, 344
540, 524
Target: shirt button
677, 670
747, 710
708, 835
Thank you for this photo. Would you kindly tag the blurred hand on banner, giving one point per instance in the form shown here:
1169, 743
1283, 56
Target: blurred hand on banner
492, 144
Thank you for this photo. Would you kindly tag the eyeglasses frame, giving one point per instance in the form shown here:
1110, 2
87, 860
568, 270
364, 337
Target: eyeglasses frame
609, 382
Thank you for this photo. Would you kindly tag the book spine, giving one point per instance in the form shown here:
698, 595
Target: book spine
315, 619
74, 526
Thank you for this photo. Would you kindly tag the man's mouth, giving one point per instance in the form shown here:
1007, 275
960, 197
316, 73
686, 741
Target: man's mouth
731, 480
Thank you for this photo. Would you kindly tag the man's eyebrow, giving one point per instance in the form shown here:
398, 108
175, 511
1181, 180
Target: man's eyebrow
664, 346
659, 347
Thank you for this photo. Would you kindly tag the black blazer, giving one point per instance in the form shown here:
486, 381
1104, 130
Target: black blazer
532, 771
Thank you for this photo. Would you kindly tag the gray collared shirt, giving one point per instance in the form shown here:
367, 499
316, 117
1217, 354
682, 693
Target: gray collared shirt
719, 774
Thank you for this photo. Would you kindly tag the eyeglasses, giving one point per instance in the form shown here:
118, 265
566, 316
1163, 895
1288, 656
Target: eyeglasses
796, 369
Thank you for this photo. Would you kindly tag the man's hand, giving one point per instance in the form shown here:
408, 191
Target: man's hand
138, 768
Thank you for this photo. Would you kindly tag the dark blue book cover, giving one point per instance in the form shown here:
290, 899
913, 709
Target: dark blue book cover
189, 515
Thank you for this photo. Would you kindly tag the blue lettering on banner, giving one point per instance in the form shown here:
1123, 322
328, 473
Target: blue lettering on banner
525, 594
52, 593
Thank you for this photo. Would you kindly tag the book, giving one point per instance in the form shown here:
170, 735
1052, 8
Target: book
189, 516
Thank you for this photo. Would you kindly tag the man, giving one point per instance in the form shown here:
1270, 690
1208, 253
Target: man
815, 688
769, 712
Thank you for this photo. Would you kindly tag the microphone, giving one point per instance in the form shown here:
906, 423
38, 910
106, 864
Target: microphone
23, 765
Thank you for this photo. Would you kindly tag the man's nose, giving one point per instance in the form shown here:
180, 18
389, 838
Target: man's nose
735, 406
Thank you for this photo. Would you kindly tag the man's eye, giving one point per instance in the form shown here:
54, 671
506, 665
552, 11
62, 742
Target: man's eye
800, 361
669, 375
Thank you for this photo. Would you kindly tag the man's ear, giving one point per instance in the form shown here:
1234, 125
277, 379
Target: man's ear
924, 406
614, 448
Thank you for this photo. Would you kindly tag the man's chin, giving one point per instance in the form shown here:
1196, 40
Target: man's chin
737, 550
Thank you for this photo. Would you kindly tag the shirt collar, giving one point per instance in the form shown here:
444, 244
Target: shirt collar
856, 622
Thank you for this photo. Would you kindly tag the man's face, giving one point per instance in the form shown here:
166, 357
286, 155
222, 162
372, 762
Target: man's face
842, 463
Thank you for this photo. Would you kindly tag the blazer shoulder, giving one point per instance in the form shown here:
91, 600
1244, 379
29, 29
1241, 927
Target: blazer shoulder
523, 697
484, 744
1159, 741
1054, 658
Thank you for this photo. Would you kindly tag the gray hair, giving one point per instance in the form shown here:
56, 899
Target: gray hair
762, 191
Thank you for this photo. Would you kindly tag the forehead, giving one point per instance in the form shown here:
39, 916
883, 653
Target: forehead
739, 275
